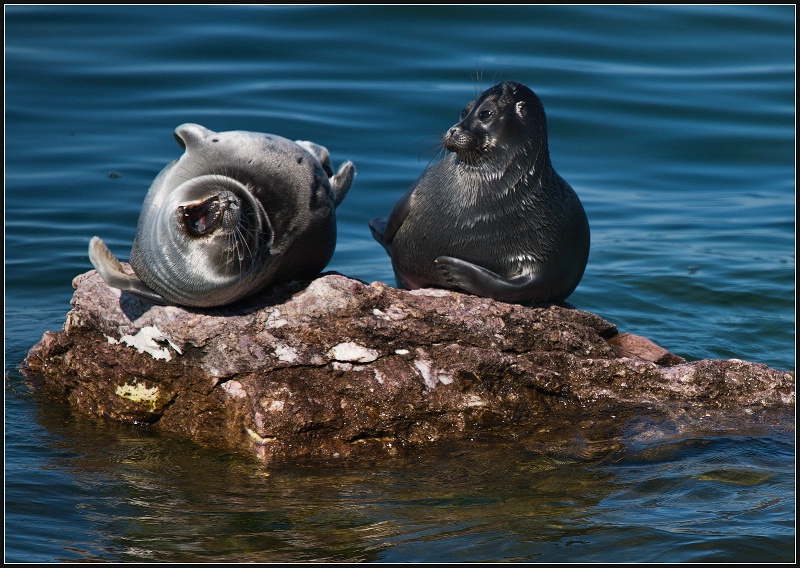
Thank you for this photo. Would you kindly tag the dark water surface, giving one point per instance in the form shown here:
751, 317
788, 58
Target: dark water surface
676, 127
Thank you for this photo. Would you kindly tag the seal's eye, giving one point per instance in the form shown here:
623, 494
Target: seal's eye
485, 114
201, 218
464, 113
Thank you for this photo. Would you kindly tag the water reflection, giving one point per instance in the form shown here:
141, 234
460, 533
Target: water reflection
556, 496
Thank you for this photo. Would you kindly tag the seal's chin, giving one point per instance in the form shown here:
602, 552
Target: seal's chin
202, 218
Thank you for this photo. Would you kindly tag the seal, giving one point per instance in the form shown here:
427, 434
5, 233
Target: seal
492, 218
237, 212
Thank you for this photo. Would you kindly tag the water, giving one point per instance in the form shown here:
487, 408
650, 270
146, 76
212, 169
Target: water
675, 125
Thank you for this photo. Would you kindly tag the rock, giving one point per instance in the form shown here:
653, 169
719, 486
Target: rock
337, 368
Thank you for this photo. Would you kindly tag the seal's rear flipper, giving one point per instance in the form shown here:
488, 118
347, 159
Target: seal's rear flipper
341, 182
112, 273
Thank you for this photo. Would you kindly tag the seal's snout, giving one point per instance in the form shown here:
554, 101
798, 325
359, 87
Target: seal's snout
455, 139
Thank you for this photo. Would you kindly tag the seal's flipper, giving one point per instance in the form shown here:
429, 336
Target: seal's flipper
341, 182
397, 216
377, 226
483, 282
321, 153
112, 273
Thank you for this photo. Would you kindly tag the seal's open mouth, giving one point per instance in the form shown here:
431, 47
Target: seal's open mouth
201, 218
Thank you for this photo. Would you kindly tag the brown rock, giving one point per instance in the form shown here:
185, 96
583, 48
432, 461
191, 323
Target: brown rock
336, 367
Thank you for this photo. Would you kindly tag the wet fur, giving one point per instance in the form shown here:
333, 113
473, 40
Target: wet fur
493, 217
277, 200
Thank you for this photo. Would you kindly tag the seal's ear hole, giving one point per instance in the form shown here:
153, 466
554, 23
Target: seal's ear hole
521, 109
201, 218
180, 141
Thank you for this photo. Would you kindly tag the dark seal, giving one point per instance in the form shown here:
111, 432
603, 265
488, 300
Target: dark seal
493, 218
238, 212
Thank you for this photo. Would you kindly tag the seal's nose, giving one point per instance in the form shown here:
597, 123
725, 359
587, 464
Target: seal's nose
450, 137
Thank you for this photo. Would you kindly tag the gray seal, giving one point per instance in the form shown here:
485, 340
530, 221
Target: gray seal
492, 218
238, 212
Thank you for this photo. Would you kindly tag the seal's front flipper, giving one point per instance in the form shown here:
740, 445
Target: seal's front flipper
398, 215
483, 282
385, 228
377, 225
110, 270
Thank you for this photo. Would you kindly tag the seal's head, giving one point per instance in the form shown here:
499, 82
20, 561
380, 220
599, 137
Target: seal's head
220, 222
504, 122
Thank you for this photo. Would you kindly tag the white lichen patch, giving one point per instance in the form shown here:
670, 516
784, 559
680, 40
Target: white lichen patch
286, 353
147, 341
378, 376
138, 392
352, 352
259, 440
392, 313
235, 389
402, 351
434, 292
430, 374
175, 347
275, 320
342, 366
424, 368
474, 400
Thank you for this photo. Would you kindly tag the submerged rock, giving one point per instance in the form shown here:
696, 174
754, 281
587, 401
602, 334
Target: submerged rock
336, 368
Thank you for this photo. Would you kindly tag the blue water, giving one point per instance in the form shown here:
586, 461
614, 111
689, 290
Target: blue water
676, 127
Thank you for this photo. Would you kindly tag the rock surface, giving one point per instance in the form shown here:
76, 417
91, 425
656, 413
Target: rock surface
337, 368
